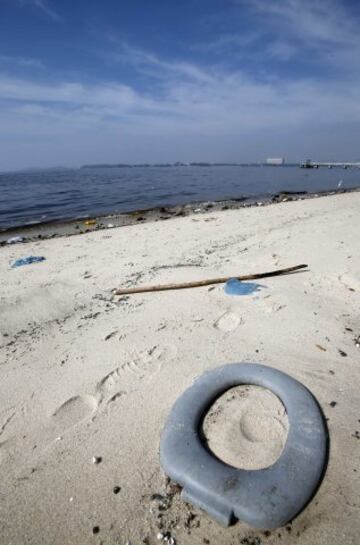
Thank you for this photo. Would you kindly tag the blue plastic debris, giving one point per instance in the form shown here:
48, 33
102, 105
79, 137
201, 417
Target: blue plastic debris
27, 260
235, 287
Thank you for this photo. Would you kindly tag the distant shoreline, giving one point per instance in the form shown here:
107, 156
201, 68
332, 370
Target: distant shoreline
74, 226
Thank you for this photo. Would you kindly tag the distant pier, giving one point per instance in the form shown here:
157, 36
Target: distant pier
315, 164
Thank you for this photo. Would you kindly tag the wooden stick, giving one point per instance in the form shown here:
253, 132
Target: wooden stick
198, 283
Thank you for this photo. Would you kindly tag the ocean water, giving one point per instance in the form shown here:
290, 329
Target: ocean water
33, 197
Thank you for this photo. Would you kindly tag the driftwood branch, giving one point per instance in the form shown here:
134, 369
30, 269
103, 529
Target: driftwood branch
209, 282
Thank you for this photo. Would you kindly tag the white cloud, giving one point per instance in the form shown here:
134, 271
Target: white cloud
323, 32
281, 50
24, 62
324, 20
151, 65
191, 111
228, 103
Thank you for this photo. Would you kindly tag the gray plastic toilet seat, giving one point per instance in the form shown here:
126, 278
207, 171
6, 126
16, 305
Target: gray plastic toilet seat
265, 498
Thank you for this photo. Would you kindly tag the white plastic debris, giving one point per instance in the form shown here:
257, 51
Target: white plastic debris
110, 225
160, 536
14, 240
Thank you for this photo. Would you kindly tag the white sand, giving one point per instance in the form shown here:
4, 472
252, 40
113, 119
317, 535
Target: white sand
85, 374
246, 427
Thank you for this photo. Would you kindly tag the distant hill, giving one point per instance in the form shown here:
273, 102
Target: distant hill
39, 169
177, 164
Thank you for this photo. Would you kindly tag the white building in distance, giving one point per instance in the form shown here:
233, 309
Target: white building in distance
275, 161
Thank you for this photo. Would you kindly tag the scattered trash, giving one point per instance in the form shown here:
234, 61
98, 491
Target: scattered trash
209, 282
197, 210
320, 347
223, 492
95, 530
97, 459
166, 538
342, 353
116, 489
333, 403
14, 240
90, 222
27, 260
340, 183
235, 287
110, 225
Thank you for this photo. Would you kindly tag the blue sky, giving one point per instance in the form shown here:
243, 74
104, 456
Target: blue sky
162, 80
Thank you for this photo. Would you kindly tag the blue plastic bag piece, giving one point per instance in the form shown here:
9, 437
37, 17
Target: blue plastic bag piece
235, 287
28, 260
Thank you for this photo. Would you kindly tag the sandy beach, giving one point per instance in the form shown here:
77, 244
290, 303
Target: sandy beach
87, 378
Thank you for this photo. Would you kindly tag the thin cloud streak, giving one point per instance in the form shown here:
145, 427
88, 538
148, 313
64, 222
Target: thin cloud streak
43, 6
322, 32
24, 62
150, 64
226, 102
46, 9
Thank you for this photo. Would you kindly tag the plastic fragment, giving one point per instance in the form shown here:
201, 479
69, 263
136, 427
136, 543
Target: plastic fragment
235, 287
14, 240
27, 260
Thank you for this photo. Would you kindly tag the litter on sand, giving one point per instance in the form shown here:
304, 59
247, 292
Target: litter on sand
14, 240
27, 260
235, 287
208, 282
90, 222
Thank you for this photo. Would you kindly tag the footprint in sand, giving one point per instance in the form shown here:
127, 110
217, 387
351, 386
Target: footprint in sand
36, 440
77, 409
74, 410
228, 322
137, 366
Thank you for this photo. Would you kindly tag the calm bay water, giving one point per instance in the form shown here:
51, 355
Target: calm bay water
42, 196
